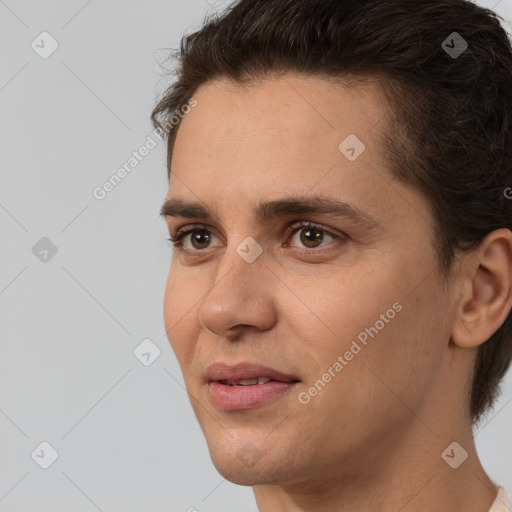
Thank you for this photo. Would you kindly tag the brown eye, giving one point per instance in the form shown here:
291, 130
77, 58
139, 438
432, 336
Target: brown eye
311, 237
200, 239
193, 238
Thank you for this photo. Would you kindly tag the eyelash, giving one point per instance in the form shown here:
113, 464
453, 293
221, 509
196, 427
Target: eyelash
177, 240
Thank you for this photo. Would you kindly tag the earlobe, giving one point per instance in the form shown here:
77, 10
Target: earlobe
486, 300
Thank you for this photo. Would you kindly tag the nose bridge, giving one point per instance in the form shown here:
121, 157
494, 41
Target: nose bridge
236, 274
238, 295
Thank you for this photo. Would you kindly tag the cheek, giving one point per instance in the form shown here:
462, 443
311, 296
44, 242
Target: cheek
329, 309
401, 356
370, 316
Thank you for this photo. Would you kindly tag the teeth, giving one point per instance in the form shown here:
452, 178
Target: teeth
248, 382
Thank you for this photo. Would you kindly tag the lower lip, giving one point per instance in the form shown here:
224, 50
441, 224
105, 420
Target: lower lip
241, 398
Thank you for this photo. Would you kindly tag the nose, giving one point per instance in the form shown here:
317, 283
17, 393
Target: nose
240, 295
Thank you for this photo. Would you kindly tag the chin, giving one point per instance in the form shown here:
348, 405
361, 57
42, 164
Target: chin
230, 467
245, 465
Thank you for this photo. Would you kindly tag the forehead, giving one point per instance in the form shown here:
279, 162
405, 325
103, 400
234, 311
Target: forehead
293, 119
289, 104
241, 147
286, 133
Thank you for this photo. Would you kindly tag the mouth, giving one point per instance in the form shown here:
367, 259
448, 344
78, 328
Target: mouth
246, 374
246, 386
250, 382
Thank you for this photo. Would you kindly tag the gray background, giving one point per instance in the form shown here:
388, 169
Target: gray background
125, 433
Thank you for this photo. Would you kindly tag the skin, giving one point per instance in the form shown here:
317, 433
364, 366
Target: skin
372, 439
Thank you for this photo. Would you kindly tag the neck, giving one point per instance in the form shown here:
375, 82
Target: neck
408, 474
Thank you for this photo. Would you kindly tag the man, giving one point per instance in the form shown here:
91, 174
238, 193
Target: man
340, 291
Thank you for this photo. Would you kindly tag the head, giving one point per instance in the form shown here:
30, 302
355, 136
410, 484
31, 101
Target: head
396, 305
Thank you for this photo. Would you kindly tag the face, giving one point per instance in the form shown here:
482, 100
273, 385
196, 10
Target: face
343, 302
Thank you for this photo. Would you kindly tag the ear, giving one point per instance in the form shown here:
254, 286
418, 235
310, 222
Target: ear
486, 298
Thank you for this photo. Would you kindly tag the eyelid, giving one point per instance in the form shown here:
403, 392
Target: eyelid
296, 226
186, 229
302, 224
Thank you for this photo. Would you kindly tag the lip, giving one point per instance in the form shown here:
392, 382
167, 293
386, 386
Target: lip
241, 398
224, 371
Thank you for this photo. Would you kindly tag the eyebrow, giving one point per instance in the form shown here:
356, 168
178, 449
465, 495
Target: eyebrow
289, 206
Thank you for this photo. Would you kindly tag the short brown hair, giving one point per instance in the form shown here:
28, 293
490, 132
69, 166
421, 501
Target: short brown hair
449, 127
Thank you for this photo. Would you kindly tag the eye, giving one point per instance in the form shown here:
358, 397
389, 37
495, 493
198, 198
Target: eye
197, 238
312, 235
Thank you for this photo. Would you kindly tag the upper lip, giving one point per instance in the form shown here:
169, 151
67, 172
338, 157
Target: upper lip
233, 372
